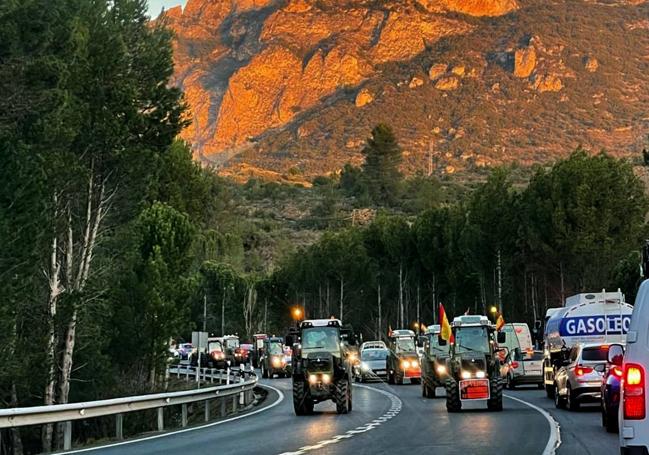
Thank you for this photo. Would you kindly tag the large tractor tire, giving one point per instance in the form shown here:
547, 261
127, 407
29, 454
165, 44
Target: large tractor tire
302, 404
343, 396
495, 402
427, 390
415, 381
453, 403
398, 377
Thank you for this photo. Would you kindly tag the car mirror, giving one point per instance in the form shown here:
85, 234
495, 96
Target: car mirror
615, 354
501, 337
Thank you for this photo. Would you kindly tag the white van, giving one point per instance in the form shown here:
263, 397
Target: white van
634, 399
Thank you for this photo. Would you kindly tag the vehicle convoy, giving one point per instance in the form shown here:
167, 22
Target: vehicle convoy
594, 318
373, 364
473, 365
633, 419
321, 366
403, 361
433, 363
523, 368
213, 356
611, 385
579, 380
273, 361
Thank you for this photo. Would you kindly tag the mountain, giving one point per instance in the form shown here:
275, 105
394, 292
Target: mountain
293, 87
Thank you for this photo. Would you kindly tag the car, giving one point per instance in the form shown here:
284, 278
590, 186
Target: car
523, 368
373, 365
185, 350
403, 361
611, 383
273, 359
579, 379
634, 399
373, 345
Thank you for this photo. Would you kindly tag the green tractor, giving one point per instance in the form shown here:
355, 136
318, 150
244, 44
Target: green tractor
434, 369
322, 365
474, 365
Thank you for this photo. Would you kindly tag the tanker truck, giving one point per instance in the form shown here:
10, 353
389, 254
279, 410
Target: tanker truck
602, 317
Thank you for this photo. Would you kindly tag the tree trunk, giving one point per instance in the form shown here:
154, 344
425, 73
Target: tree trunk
401, 316
50, 350
342, 296
379, 334
500, 283
328, 301
563, 289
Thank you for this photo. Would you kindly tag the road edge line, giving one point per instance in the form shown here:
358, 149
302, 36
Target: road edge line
554, 441
186, 430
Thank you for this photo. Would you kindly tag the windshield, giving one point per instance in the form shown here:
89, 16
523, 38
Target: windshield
471, 339
595, 354
232, 343
214, 346
321, 339
435, 348
374, 354
405, 344
275, 348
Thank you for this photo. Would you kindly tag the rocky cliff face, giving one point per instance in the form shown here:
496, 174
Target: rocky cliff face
279, 84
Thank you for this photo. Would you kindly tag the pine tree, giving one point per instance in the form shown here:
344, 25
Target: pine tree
383, 156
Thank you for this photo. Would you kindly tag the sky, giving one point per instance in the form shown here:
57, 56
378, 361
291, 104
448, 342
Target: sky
155, 6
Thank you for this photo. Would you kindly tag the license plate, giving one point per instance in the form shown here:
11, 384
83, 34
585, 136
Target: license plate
474, 389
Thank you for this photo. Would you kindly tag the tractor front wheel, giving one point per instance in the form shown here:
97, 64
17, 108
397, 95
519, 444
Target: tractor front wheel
453, 403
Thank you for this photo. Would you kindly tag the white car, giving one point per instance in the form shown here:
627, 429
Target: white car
634, 399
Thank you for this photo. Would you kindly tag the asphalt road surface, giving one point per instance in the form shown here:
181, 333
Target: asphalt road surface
387, 420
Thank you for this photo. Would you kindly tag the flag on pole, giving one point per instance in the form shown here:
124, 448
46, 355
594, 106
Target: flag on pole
446, 332
500, 322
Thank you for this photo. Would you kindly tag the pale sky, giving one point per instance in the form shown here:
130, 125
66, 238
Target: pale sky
155, 6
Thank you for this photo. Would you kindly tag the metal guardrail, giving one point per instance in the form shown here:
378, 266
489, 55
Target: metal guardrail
235, 383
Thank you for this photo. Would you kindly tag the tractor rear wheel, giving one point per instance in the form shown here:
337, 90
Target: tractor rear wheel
495, 402
453, 403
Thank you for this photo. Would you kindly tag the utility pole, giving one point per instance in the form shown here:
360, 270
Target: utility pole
379, 335
266, 315
223, 313
400, 295
500, 283
418, 321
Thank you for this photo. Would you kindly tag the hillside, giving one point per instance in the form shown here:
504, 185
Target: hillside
290, 89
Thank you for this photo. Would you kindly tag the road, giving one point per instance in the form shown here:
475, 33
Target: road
387, 420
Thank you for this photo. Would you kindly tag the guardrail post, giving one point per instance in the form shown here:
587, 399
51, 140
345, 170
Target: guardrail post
178, 371
211, 375
223, 410
184, 415
207, 410
119, 426
67, 435
234, 404
161, 419
242, 399
187, 372
227, 376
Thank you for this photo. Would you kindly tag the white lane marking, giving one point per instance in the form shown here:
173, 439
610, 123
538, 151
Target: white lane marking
554, 441
185, 430
395, 408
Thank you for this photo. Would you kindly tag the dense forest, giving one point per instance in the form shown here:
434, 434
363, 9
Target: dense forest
113, 238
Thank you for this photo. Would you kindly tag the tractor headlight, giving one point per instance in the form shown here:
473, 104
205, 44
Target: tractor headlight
466, 374
365, 366
326, 379
405, 364
313, 379
480, 374
277, 362
441, 369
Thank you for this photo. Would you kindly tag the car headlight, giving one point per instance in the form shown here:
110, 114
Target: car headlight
466, 374
480, 374
365, 366
441, 369
405, 364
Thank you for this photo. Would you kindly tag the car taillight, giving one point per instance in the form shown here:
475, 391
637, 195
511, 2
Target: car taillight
634, 394
514, 365
617, 371
580, 371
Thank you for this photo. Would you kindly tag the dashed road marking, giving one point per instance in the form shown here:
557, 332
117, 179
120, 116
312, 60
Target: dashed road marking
395, 409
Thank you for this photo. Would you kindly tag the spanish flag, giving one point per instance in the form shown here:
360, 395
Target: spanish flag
446, 333
500, 322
